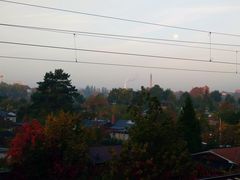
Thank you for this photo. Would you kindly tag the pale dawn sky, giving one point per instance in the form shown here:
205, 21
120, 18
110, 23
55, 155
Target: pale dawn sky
214, 15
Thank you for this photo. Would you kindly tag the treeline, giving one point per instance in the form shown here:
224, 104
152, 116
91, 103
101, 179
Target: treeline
101, 103
13, 96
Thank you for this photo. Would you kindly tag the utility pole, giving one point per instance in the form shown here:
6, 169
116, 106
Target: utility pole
220, 131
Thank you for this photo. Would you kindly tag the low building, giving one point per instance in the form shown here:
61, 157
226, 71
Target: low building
3, 115
3, 152
12, 117
120, 129
8, 116
95, 123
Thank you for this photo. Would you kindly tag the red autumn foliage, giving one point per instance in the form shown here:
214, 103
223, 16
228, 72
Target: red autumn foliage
27, 137
39, 152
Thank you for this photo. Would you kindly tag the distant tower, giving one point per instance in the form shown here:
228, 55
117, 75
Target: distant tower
1, 77
125, 84
150, 85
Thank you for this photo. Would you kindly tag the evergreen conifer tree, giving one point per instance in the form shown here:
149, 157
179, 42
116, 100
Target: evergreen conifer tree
189, 126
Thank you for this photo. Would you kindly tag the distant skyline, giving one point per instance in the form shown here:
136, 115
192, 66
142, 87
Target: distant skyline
215, 15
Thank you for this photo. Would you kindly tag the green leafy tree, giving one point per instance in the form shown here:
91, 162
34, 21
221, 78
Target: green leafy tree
216, 96
230, 99
154, 150
190, 126
231, 135
228, 113
54, 93
66, 143
120, 96
158, 92
13, 97
96, 106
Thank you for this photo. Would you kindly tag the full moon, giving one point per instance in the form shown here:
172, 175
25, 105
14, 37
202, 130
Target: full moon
175, 36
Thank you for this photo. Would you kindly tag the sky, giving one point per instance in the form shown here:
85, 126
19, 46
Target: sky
214, 15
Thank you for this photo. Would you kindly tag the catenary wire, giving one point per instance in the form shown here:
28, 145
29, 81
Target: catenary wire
116, 36
113, 52
114, 64
118, 18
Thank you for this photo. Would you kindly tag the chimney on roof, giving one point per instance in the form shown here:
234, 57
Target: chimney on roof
113, 119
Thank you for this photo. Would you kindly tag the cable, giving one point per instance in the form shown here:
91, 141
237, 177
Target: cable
98, 51
115, 36
113, 64
161, 43
101, 51
118, 18
103, 34
111, 52
134, 37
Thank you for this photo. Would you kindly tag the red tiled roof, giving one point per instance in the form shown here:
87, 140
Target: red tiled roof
232, 154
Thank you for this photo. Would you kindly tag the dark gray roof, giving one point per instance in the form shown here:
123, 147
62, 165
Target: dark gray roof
92, 123
3, 114
11, 114
122, 125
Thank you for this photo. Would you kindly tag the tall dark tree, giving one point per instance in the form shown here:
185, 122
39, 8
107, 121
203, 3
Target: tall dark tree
54, 93
216, 96
189, 126
229, 99
158, 92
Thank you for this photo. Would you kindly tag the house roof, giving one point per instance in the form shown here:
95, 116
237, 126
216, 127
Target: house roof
92, 123
11, 114
122, 125
101, 154
3, 114
232, 154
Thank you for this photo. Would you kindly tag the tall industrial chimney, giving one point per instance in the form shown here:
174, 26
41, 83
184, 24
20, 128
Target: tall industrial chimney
150, 85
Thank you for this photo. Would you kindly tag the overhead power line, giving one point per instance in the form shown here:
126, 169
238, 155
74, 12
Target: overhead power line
97, 51
117, 37
159, 42
118, 18
114, 64
113, 52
